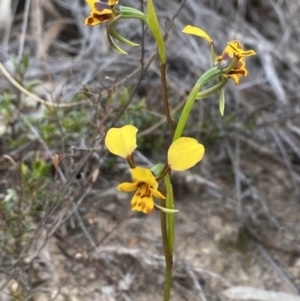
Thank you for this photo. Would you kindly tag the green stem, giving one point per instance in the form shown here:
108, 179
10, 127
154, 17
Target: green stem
167, 231
165, 95
186, 111
191, 100
167, 253
170, 216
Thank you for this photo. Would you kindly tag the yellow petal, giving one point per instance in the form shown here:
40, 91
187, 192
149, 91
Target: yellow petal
157, 194
184, 153
197, 32
91, 3
112, 2
127, 187
144, 175
235, 77
121, 141
238, 49
144, 204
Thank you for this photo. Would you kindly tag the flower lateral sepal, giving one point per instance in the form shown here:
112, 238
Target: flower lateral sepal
221, 101
163, 209
113, 45
120, 38
123, 13
220, 85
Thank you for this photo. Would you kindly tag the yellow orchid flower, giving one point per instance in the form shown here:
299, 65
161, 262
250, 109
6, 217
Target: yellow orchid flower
145, 185
183, 153
100, 12
239, 51
233, 49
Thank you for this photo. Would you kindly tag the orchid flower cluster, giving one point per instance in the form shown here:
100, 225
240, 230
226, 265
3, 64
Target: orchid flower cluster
184, 152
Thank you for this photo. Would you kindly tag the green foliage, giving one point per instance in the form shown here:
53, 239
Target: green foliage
20, 203
21, 67
55, 126
251, 123
28, 85
10, 200
38, 170
7, 107
157, 169
149, 144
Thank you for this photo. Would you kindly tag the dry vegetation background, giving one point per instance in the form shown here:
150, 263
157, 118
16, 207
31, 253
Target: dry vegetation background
66, 234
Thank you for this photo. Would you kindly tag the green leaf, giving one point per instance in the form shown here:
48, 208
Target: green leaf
17, 67
153, 24
31, 83
24, 169
157, 169
25, 60
10, 199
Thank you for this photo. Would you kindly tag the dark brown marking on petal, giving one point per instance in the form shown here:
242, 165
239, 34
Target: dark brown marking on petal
101, 6
238, 65
103, 18
148, 210
241, 72
90, 20
147, 194
143, 190
139, 192
226, 57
